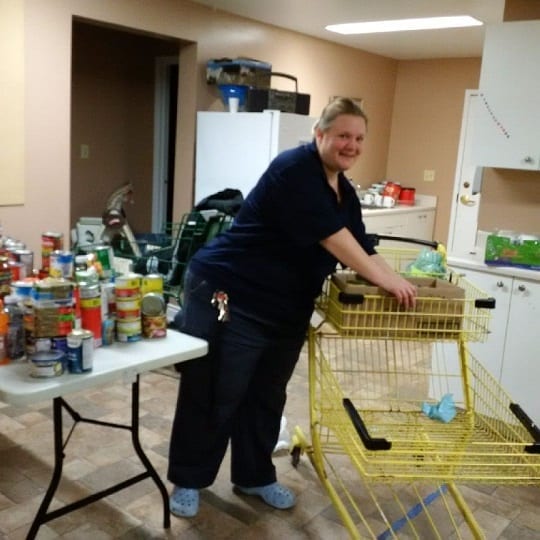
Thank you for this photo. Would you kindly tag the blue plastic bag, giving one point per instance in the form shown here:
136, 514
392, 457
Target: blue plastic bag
444, 411
428, 263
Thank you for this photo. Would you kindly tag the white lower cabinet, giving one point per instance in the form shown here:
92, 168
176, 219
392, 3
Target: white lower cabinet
416, 224
421, 224
511, 352
521, 366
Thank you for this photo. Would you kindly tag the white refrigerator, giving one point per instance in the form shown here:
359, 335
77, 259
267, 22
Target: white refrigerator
234, 149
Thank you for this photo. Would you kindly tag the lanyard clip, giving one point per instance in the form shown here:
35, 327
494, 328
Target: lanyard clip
220, 300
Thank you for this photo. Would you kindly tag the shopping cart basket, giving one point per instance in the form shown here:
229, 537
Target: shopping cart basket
373, 367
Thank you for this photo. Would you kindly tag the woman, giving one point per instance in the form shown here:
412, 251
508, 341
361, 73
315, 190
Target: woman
250, 293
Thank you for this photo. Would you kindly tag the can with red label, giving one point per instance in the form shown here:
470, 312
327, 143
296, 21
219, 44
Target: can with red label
17, 270
50, 241
90, 301
127, 286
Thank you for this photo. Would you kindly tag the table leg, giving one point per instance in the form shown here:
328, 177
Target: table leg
43, 516
57, 472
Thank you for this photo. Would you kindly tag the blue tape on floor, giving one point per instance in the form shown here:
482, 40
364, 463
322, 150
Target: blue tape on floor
412, 513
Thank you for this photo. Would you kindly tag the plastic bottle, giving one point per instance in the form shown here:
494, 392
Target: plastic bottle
4, 322
15, 342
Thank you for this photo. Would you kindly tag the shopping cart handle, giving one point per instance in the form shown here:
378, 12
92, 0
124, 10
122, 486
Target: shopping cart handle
369, 442
350, 298
376, 238
530, 426
485, 303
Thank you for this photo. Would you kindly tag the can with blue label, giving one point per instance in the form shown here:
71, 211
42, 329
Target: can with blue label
80, 346
59, 343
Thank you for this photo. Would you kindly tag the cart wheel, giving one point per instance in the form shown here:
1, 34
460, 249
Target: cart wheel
299, 444
296, 452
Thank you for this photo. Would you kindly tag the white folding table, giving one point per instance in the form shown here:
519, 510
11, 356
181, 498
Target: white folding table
119, 361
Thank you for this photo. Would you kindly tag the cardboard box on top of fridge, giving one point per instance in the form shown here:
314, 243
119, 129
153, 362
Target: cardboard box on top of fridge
506, 248
360, 309
243, 71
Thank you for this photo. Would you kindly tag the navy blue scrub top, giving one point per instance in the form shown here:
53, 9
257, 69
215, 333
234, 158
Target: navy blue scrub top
270, 262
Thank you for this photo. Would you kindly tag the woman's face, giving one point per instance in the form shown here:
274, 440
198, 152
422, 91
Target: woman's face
341, 144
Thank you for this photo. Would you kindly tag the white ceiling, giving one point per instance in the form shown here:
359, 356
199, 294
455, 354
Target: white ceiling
311, 16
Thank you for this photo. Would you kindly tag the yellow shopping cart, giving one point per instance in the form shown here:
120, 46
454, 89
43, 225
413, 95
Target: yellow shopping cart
374, 370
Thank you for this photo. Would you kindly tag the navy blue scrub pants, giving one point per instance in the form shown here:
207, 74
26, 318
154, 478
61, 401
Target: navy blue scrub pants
237, 392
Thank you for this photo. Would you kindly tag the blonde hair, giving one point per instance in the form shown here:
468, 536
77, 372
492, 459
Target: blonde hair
337, 107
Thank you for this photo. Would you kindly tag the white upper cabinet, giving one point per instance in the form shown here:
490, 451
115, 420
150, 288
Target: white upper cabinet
507, 129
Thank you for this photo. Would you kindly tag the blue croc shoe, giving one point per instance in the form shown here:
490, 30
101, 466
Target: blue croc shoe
275, 495
184, 502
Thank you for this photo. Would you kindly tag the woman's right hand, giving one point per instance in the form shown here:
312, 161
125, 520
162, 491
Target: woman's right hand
399, 287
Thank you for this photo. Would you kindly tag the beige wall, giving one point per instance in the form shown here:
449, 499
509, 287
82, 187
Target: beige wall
426, 124
11, 102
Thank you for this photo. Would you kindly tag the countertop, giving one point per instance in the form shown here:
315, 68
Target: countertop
422, 202
475, 261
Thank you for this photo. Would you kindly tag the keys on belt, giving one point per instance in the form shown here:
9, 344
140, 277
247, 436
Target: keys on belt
220, 301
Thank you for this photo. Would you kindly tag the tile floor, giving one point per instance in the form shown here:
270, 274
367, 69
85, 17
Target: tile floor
97, 456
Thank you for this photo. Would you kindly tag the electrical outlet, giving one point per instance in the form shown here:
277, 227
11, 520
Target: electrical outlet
429, 175
85, 151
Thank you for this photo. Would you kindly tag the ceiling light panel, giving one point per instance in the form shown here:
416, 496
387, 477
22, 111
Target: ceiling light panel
400, 25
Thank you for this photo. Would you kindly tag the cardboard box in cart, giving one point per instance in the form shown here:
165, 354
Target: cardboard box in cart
359, 309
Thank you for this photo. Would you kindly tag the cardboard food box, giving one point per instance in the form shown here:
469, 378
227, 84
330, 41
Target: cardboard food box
357, 308
506, 251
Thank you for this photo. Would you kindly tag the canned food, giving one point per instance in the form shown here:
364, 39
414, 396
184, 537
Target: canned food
105, 256
152, 283
18, 270
128, 308
80, 345
46, 364
153, 304
154, 318
127, 314
51, 319
91, 317
59, 290
50, 241
154, 327
25, 256
89, 290
128, 331
61, 264
23, 289
128, 286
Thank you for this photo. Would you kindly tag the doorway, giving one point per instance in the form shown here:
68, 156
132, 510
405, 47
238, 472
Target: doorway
113, 122
166, 109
